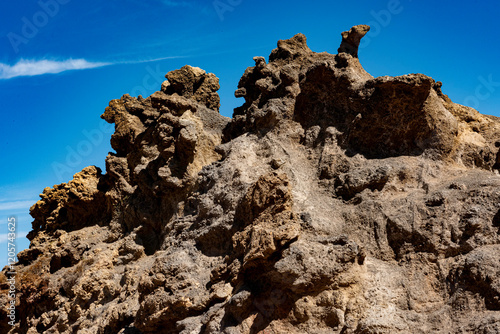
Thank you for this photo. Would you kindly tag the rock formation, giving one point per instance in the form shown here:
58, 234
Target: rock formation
352, 38
332, 202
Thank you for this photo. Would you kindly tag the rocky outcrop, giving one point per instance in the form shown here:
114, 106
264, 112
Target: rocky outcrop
352, 38
332, 202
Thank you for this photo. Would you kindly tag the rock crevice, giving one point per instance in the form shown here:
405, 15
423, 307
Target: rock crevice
332, 202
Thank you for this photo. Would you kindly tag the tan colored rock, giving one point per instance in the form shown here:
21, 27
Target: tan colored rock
352, 38
332, 202
194, 83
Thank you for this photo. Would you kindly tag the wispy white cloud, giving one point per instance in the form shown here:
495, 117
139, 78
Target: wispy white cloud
5, 236
38, 67
148, 60
19, 192
16, 205
26, 67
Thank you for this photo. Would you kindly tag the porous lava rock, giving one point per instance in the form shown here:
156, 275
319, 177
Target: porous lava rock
332, 202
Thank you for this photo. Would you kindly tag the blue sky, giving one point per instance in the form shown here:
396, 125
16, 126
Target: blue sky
61, 61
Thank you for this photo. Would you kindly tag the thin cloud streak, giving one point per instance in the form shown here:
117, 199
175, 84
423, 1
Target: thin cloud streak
16, 205
148, 60
39, 67
5, 236
24, 68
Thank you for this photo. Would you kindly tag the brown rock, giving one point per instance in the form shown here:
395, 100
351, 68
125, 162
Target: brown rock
332, 202
352, 38
194, 83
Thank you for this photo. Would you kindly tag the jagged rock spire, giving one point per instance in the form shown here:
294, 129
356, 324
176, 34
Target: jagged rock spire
351, 39
329, 199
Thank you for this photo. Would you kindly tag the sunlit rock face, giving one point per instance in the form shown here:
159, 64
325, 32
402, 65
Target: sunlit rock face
332, 202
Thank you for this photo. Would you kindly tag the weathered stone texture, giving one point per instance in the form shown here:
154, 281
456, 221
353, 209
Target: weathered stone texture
332, 202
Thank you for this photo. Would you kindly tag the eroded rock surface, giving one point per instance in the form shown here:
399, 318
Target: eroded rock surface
332, 202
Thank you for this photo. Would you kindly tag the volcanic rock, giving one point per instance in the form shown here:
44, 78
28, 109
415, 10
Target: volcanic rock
332, 202
352, 38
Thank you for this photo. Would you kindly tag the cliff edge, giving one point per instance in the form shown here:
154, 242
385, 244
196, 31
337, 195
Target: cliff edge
332, 202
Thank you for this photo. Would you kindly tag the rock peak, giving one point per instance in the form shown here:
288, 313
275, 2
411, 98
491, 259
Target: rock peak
193, 83
332, 202
291, 48
352, 38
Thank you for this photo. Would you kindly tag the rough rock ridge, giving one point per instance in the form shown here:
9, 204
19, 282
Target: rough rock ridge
332, 202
